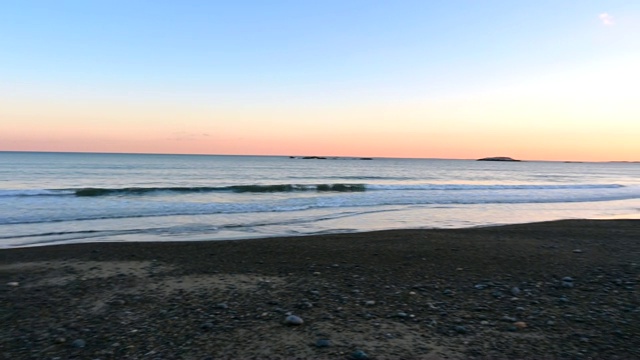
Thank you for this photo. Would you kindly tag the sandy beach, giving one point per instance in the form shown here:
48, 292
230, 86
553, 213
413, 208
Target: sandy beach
565, 289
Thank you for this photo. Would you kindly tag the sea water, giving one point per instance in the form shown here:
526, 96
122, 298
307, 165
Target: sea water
56, 198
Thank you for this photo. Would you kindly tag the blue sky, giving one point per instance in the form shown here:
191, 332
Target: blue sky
287, 53
297, 44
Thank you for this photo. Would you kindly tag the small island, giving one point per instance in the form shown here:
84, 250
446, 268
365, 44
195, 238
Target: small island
498, 158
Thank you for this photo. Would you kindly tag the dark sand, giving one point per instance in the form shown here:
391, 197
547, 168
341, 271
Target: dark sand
413, 294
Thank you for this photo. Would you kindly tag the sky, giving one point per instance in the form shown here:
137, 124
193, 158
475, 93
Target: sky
533, 80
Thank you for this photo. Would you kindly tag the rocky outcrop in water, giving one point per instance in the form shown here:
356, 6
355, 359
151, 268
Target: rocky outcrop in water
498, 158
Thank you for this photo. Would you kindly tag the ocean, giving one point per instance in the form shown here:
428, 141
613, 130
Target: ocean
61, 198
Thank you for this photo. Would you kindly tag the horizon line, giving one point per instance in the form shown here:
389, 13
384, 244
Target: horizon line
325, 156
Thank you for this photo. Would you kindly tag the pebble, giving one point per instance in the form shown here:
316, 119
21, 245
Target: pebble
222, 306
369, 303
207, 326
305, 305
78, 343
322, 343
461, 329
359, 355
567, 282
480, 286
293, 320
520, 324
515, 291
13, 283
402, 314
577, 251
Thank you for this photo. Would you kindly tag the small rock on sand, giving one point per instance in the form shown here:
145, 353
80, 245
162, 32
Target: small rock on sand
322, 343
293, 320
78, 343
359, 355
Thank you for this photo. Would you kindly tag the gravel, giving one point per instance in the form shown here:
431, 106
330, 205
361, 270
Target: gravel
164, 300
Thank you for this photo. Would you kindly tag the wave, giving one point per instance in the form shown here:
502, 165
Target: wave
277, 188
232, 188
356, 177
494, 187
77, 209
35, 192
327, 188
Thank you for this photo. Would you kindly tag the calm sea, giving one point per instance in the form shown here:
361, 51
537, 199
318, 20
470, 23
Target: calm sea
55, 198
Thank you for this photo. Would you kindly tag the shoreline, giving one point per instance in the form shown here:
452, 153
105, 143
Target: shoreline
386, 226
559, 289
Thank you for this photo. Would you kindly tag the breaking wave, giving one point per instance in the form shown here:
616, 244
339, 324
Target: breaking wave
233, 188
283, 188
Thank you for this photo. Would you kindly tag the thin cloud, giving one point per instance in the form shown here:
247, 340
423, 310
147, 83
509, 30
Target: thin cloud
186, 136
606, 19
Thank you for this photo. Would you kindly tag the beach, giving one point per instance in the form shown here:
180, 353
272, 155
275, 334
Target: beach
562, 289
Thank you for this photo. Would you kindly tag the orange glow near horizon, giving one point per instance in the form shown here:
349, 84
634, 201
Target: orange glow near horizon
401, 145
598, 144
573, 116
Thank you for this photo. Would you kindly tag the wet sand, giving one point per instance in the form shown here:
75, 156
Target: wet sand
565, 289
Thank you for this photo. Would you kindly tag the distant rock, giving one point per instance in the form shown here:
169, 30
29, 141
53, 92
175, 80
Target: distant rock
315, 158
327, 158
498, 158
